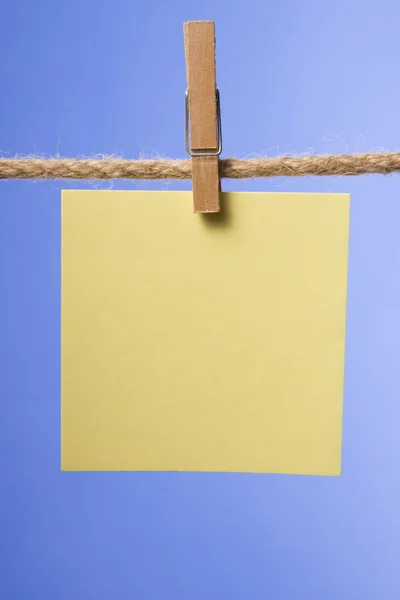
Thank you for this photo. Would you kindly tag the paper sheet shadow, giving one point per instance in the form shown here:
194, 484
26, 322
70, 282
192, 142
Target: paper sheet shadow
222, 219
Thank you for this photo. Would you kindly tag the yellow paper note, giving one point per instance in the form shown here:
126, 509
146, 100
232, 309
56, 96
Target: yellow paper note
203, 342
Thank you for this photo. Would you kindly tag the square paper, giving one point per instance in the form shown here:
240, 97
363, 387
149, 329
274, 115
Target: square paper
203, 342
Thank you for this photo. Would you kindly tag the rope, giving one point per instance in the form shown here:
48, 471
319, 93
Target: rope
233, 168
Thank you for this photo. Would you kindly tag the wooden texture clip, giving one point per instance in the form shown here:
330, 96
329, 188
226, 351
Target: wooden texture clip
203, 115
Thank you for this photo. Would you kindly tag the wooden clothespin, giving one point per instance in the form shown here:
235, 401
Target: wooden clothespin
203, 114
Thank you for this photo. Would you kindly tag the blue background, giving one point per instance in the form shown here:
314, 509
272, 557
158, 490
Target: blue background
84, 77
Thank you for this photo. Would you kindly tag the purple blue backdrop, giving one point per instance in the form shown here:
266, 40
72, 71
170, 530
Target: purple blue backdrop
83, 77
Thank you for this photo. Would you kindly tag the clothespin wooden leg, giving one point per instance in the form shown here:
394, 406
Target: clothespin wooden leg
203, 108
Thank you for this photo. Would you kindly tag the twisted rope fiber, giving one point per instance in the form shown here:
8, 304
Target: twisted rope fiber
232, 168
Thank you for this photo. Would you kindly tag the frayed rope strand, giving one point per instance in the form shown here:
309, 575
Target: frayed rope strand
231, 168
